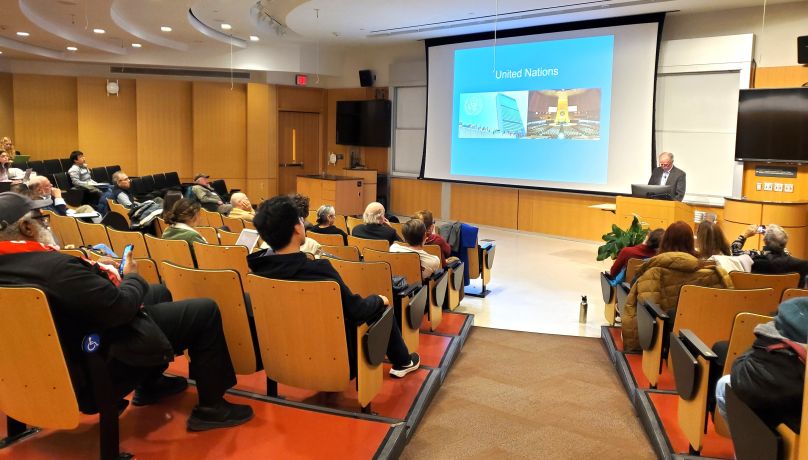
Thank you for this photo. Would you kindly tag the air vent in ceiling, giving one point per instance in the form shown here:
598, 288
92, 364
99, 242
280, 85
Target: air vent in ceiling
174, 72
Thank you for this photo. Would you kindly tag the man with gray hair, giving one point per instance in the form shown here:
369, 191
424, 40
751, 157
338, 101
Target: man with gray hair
242, 208
774, 257
668, 174
376, 226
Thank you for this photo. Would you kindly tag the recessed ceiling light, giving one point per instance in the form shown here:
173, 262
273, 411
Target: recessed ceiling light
72, 48
226, 26
136, 45
99, 31
165, 28
254, 38
23, 34
1, 52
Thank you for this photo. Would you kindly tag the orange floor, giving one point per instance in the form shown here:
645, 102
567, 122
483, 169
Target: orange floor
451, 323
158, 432
667, 407
665, 382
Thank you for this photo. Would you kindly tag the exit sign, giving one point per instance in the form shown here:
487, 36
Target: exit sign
301, 80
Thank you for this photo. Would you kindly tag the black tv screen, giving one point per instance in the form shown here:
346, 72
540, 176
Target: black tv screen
772, 125
364, 123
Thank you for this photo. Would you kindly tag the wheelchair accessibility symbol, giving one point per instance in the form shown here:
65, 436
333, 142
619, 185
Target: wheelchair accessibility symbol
91, 343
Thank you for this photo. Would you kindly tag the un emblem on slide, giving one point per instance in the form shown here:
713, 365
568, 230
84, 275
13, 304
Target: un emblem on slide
473, 105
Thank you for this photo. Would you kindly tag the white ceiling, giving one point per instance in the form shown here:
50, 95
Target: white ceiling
287, 29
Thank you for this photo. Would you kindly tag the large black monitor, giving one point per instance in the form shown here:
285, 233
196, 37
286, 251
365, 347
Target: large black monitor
364, 123
772, 125
657, 192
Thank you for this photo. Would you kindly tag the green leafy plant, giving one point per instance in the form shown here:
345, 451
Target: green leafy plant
618, 239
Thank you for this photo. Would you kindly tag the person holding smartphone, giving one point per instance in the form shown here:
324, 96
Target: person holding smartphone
774, 257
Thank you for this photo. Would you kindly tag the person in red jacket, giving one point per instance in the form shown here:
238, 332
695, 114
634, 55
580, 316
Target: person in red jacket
432, 237
644, 250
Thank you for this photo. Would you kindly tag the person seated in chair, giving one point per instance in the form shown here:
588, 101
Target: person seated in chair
432, 237
376, 226
208, 197
414, 235
81, 178
326, 216
7, 172
279, 223
141, 213
774, 258
87, 297
310, 246
644, 250
242, 208
770, 376
40, 188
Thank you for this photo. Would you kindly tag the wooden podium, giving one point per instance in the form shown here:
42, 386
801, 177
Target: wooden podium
344, 193
657, 213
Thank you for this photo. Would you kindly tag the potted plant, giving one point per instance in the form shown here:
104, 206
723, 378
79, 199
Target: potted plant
618, 239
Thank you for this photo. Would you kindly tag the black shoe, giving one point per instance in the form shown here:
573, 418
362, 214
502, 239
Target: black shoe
401, 371
222, 415
151, 392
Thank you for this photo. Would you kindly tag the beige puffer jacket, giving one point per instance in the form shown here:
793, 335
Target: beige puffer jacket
659, 280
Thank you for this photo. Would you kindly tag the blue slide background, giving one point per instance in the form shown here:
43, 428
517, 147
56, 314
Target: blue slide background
581, 63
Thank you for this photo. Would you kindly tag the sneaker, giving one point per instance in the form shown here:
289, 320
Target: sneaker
401, 371
222, 415
151, 392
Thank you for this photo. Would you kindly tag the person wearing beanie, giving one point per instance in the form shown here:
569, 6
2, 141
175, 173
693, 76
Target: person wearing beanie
769, 377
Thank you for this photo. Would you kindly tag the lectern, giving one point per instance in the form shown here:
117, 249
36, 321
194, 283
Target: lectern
657, 213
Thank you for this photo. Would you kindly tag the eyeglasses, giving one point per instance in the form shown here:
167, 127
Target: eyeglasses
43, 219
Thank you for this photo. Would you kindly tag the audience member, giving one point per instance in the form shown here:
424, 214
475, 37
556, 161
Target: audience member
81, 178
181, 220
40, 188
432, 237
644, 250
7, 172
242, 208
326, 216
27, 257
208, 197
140, 213
301, 203
774, 258
8, 147
661, 277
375, 226
414, 235
770, 376
710, 241
279, 223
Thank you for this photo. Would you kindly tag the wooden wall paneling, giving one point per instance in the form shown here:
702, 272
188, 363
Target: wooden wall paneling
106, 124
220, 131
298, 144
45, 115
408, 196
564, 214
800, 184
262, 141
7, 106
164, 127
485, 205
297, 99
781, 77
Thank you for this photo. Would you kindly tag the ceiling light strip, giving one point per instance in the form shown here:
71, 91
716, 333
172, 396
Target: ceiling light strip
68, 34
207, 31
129, 26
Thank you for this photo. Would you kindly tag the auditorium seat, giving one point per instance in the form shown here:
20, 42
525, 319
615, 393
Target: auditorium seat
100, 174
52, 167
209, 233
744, 280
228, 238
215, 257
211, 218
114, 206
350, 253
65, 230
365, 243
456, 290
34, 379
93, 234
327, 239
177, 252
119, 239
754, 440
37, 166
481, 261
351, 222
310, 351
112, 169
72, 196
793, 292
235, 224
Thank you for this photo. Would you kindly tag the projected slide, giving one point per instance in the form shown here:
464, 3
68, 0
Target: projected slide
537, 111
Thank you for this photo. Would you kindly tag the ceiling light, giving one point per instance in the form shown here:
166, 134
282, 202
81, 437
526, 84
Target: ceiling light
136, 45
226, 26
254, 38
1, 52
23, 34
99, 31
165, 28
72, 48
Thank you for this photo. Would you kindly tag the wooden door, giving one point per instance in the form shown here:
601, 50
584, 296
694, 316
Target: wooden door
298, 147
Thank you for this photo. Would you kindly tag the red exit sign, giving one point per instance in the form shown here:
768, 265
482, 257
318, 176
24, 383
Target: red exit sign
301, 80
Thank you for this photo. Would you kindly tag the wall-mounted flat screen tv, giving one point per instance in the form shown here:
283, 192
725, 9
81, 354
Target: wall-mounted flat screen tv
772, 125
364, 123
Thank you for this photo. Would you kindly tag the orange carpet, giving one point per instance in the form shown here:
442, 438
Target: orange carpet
617, 337
667, 408
665, 382
451, 324
158, 432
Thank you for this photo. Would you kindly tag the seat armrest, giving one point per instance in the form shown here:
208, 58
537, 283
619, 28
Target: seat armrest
696, 346
417, 306
486, 245
377, 336
454, 264
437, 274
409, 290
440, 287
656, 311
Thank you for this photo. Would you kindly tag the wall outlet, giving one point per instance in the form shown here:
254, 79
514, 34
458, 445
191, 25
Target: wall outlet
778, 187
788, 188
767, 186
759, 186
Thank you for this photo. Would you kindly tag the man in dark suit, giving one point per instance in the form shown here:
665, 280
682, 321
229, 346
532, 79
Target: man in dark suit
667, 174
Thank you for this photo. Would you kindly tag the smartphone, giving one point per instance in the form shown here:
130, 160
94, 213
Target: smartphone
761, 229
127, 253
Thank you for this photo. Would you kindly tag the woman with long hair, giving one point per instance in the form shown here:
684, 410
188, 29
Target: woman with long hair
710, 241
181, 220
678, 237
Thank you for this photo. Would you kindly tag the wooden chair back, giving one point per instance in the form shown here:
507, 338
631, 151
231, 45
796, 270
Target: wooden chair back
209, 233
93, 234
147, 269
301, 332
366, 278
433, 249
177, 252
74, 252
228, 238
326, 239
210, 218
744, 280
215, 257
792, 293
352, 222
114, 206
312, 217
35, 386
120, 239
235, 224
248, 224
406, 264
66, 230
350, 253
364, 243
742, 336
632, 266
224, 287
399, 228
339, 222
160, 225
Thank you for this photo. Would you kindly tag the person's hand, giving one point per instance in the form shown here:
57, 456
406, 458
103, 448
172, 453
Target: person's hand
130, 267
750, 231
220, 202
106, 260
56, 192
386, 222
385, 300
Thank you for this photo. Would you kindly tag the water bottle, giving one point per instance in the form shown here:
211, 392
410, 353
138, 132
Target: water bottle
582, 311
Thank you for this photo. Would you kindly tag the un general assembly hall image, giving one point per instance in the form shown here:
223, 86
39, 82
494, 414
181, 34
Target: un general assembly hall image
344, 229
